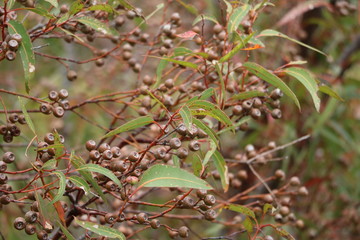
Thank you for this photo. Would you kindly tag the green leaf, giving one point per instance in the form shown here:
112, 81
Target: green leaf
101, 230
237, 48
160, 68
209, 109
181, 51
81, 183
158, 7
274, 33
133, 124
62, 185
222, 83
269, 77
97, 25
267, 207
241, 209
170, 176
196, 164
75, 7
202, 96
209, 152
47, 214
221, 167
190, 8
182, 63
78, 162
204, 17
40, 12
248, 225
49, 164
10, 4
237, 124
102, 7
248, 94
308, 81
26, 115
176, 160
58, 150
123, 3
186, 116
53, 2
66, 232
282, 232
26, 52
327, 90
237, 16
71, 34
229, 7
101, 170
211, 133
156, 99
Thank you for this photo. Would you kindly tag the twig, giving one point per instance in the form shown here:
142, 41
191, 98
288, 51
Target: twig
249, 161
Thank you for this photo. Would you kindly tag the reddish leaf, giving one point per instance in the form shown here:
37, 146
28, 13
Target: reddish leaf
188, 34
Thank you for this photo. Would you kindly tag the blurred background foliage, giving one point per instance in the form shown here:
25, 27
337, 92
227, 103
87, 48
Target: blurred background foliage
328, 164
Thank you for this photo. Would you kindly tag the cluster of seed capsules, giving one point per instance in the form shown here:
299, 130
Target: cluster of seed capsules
9, 46
58, 105
11, 130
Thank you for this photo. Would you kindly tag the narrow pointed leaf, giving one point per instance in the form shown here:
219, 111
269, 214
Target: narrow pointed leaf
53, 2
201, 107
66, 232
274, 33
327, 90
202, 17
131, 125
186, 116
236, 49
248, 95
267, 207
222, 169
40, 12
26, 52
160, 68
182, 63
241, 209
101, 170
211, 133
237, 124
306, 79
123, 3
78, 162
209, 153
170, 176
197, 165
81, 183
97, 25
26, 115
269, 77
101, 229
283, 233
203, 96
102, 7
248, 225
158, 8
237, 16
62, 185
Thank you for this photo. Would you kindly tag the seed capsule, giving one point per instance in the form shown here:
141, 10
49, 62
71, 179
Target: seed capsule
31, 216
30, 229
155, 223
19, 223
9, 157
110, 218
